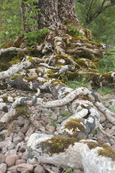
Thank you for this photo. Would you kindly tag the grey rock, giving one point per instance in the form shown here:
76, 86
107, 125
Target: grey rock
2, 158
109, 125
10, 160
113, 127
50, 129
60, 119
17, 139
20, 161
54, 117
39, 169
3, 167
102, 118
77, 171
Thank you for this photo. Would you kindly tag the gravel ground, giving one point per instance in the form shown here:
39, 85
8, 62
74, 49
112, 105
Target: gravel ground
13, 155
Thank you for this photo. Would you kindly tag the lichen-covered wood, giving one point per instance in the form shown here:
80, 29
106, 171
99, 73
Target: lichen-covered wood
87, 155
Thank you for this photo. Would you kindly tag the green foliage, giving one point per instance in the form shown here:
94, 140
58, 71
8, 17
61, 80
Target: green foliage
31, 13
73, 31
108, 62
105, 90
112, 109
53, 124
31, 33
81, 83
72, 84
77, 83
66, 114
36, 36
103, 26
68, 170
10, 21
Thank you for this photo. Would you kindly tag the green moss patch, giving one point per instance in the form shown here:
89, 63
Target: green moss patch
65, 57
76, 125
107, 151
14, 62
31, 78
52, 73
16, 76
59, 144
22, 110
72, 75
30, 59
5, 99
57, 82
86, 63
18, 42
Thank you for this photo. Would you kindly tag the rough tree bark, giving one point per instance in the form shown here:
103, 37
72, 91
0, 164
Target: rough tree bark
58, 58
54, 13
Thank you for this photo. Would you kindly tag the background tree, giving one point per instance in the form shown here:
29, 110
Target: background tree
103, 24
10, 21
94, 8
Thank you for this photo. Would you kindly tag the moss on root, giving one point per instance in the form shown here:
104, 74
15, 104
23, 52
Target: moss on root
18, 42
22, 110
9, 44
14, 62
65, 57
5, 99
87, 55
75, 126
31, 78
86, 63
98, 79
64, 78
72, 75
59, 144
16, 76
52, 74
106, 150
30, 59
56, 82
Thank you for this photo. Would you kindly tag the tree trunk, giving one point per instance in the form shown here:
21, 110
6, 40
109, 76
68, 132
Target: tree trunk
56, 13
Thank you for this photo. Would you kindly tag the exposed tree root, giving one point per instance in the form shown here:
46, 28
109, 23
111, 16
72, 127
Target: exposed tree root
108, 114
62, 151
10, 49
61, 60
